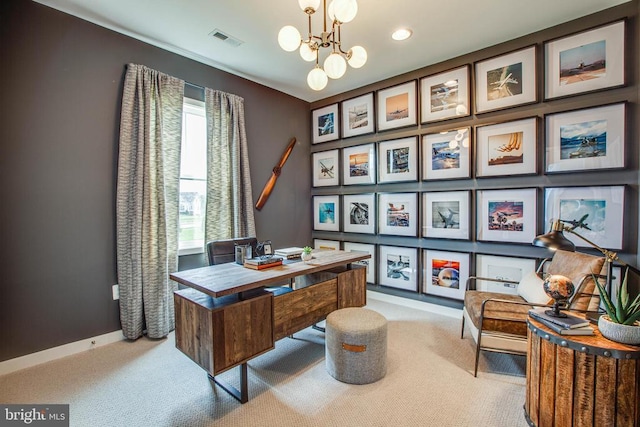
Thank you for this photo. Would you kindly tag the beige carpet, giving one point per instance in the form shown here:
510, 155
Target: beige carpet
429, 382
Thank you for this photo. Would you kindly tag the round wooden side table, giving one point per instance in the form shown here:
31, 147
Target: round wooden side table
580, 381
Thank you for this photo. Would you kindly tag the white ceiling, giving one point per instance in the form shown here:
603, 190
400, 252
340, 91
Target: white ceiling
442, 30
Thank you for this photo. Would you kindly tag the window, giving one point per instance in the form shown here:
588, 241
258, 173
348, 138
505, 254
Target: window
193, 177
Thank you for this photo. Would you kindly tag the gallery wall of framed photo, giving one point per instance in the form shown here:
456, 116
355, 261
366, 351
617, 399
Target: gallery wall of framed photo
453, 169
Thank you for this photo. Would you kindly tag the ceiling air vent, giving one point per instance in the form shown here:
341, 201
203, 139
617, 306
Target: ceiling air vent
226, 38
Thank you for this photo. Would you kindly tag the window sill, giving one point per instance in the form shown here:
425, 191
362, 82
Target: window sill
191, 251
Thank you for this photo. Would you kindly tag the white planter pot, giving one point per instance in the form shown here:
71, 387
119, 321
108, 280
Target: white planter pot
306, 256
625, 334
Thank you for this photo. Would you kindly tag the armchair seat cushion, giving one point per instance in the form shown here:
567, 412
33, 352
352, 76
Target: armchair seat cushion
502, 317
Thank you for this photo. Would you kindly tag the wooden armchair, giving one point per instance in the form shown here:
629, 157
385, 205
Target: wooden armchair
497, 321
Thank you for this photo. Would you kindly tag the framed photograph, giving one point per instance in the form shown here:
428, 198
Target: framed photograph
588, 139
397, 106
507, 148
325, 168
359, 213
326, 245
446, 155
398, 160
503, 268
326, 213
507, 215
369, 263
398, 267
358, 116
585, 62
398, 214
445, 273
446, 214
324, 124
506, 81
597, 213
445, 95
359, 164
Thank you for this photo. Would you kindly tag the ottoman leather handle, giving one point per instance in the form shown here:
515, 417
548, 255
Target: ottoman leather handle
354, 348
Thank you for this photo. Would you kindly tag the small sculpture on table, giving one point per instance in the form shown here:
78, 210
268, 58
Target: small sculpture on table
560, 288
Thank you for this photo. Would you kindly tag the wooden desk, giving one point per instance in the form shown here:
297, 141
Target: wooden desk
580, 380
226, 317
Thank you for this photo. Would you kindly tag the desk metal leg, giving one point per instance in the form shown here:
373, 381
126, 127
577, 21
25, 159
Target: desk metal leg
241, 395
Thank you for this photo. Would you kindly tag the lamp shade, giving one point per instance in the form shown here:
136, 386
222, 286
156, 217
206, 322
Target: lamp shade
345, 10
317, 79
289, 38
311, 5
335, 65
554, 240
307, 53
357, 56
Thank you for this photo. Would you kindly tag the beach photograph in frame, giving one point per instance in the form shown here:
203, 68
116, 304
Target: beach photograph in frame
359, 213
584, 62
325, 168
588, 139
445, 95
370, 263
597, 213
445, 273
397, 106
446, 155
326, 213
506, 81
398, 160
359, 164
358, 116
326, 245
502, 268
324, 124
398, 267
508, 148
506, 215
397, 214
446, 214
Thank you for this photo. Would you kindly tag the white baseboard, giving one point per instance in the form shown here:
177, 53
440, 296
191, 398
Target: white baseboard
419, 305
54, 353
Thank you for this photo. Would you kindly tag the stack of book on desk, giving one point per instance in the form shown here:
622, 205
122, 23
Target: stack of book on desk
289, 253
570, 325
262, 263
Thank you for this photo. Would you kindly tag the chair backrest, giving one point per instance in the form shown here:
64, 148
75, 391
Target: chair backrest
579, 267
222, 251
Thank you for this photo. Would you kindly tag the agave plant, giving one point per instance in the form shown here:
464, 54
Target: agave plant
624, 311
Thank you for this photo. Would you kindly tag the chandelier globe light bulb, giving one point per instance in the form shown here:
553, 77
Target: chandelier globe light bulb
357, 56
335, 66
289, 38
309, 6
307, 53
345, 10
317, 79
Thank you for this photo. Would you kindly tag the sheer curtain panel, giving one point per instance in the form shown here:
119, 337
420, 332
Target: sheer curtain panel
147, 200
229, 207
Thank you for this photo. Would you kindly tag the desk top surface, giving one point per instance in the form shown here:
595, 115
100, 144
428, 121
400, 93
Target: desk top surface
231, 278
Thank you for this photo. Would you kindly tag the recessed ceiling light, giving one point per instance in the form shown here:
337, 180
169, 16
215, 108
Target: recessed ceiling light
401, 34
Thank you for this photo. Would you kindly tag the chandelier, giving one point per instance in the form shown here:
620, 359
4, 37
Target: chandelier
335, 65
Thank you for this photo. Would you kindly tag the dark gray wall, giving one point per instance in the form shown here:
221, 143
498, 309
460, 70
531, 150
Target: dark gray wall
61, 92
628, 176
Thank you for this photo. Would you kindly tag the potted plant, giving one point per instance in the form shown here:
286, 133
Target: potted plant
622, 321
306, 253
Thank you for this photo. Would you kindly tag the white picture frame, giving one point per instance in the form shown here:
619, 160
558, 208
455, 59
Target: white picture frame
326, 213
503, 268
358, 116
398, 267
326, 170
398, 160
370, 263
445, 95
445, 273
325, 124
359, 164
359, 213
603, 205
506, 215
509, 148
398, 214
326, 245
447, 155
506, 81
446, 214
397, 106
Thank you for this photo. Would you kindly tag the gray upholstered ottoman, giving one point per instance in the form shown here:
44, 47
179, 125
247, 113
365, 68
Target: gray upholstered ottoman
356, 345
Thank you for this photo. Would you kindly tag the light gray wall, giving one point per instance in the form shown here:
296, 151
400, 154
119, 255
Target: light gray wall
61, 92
